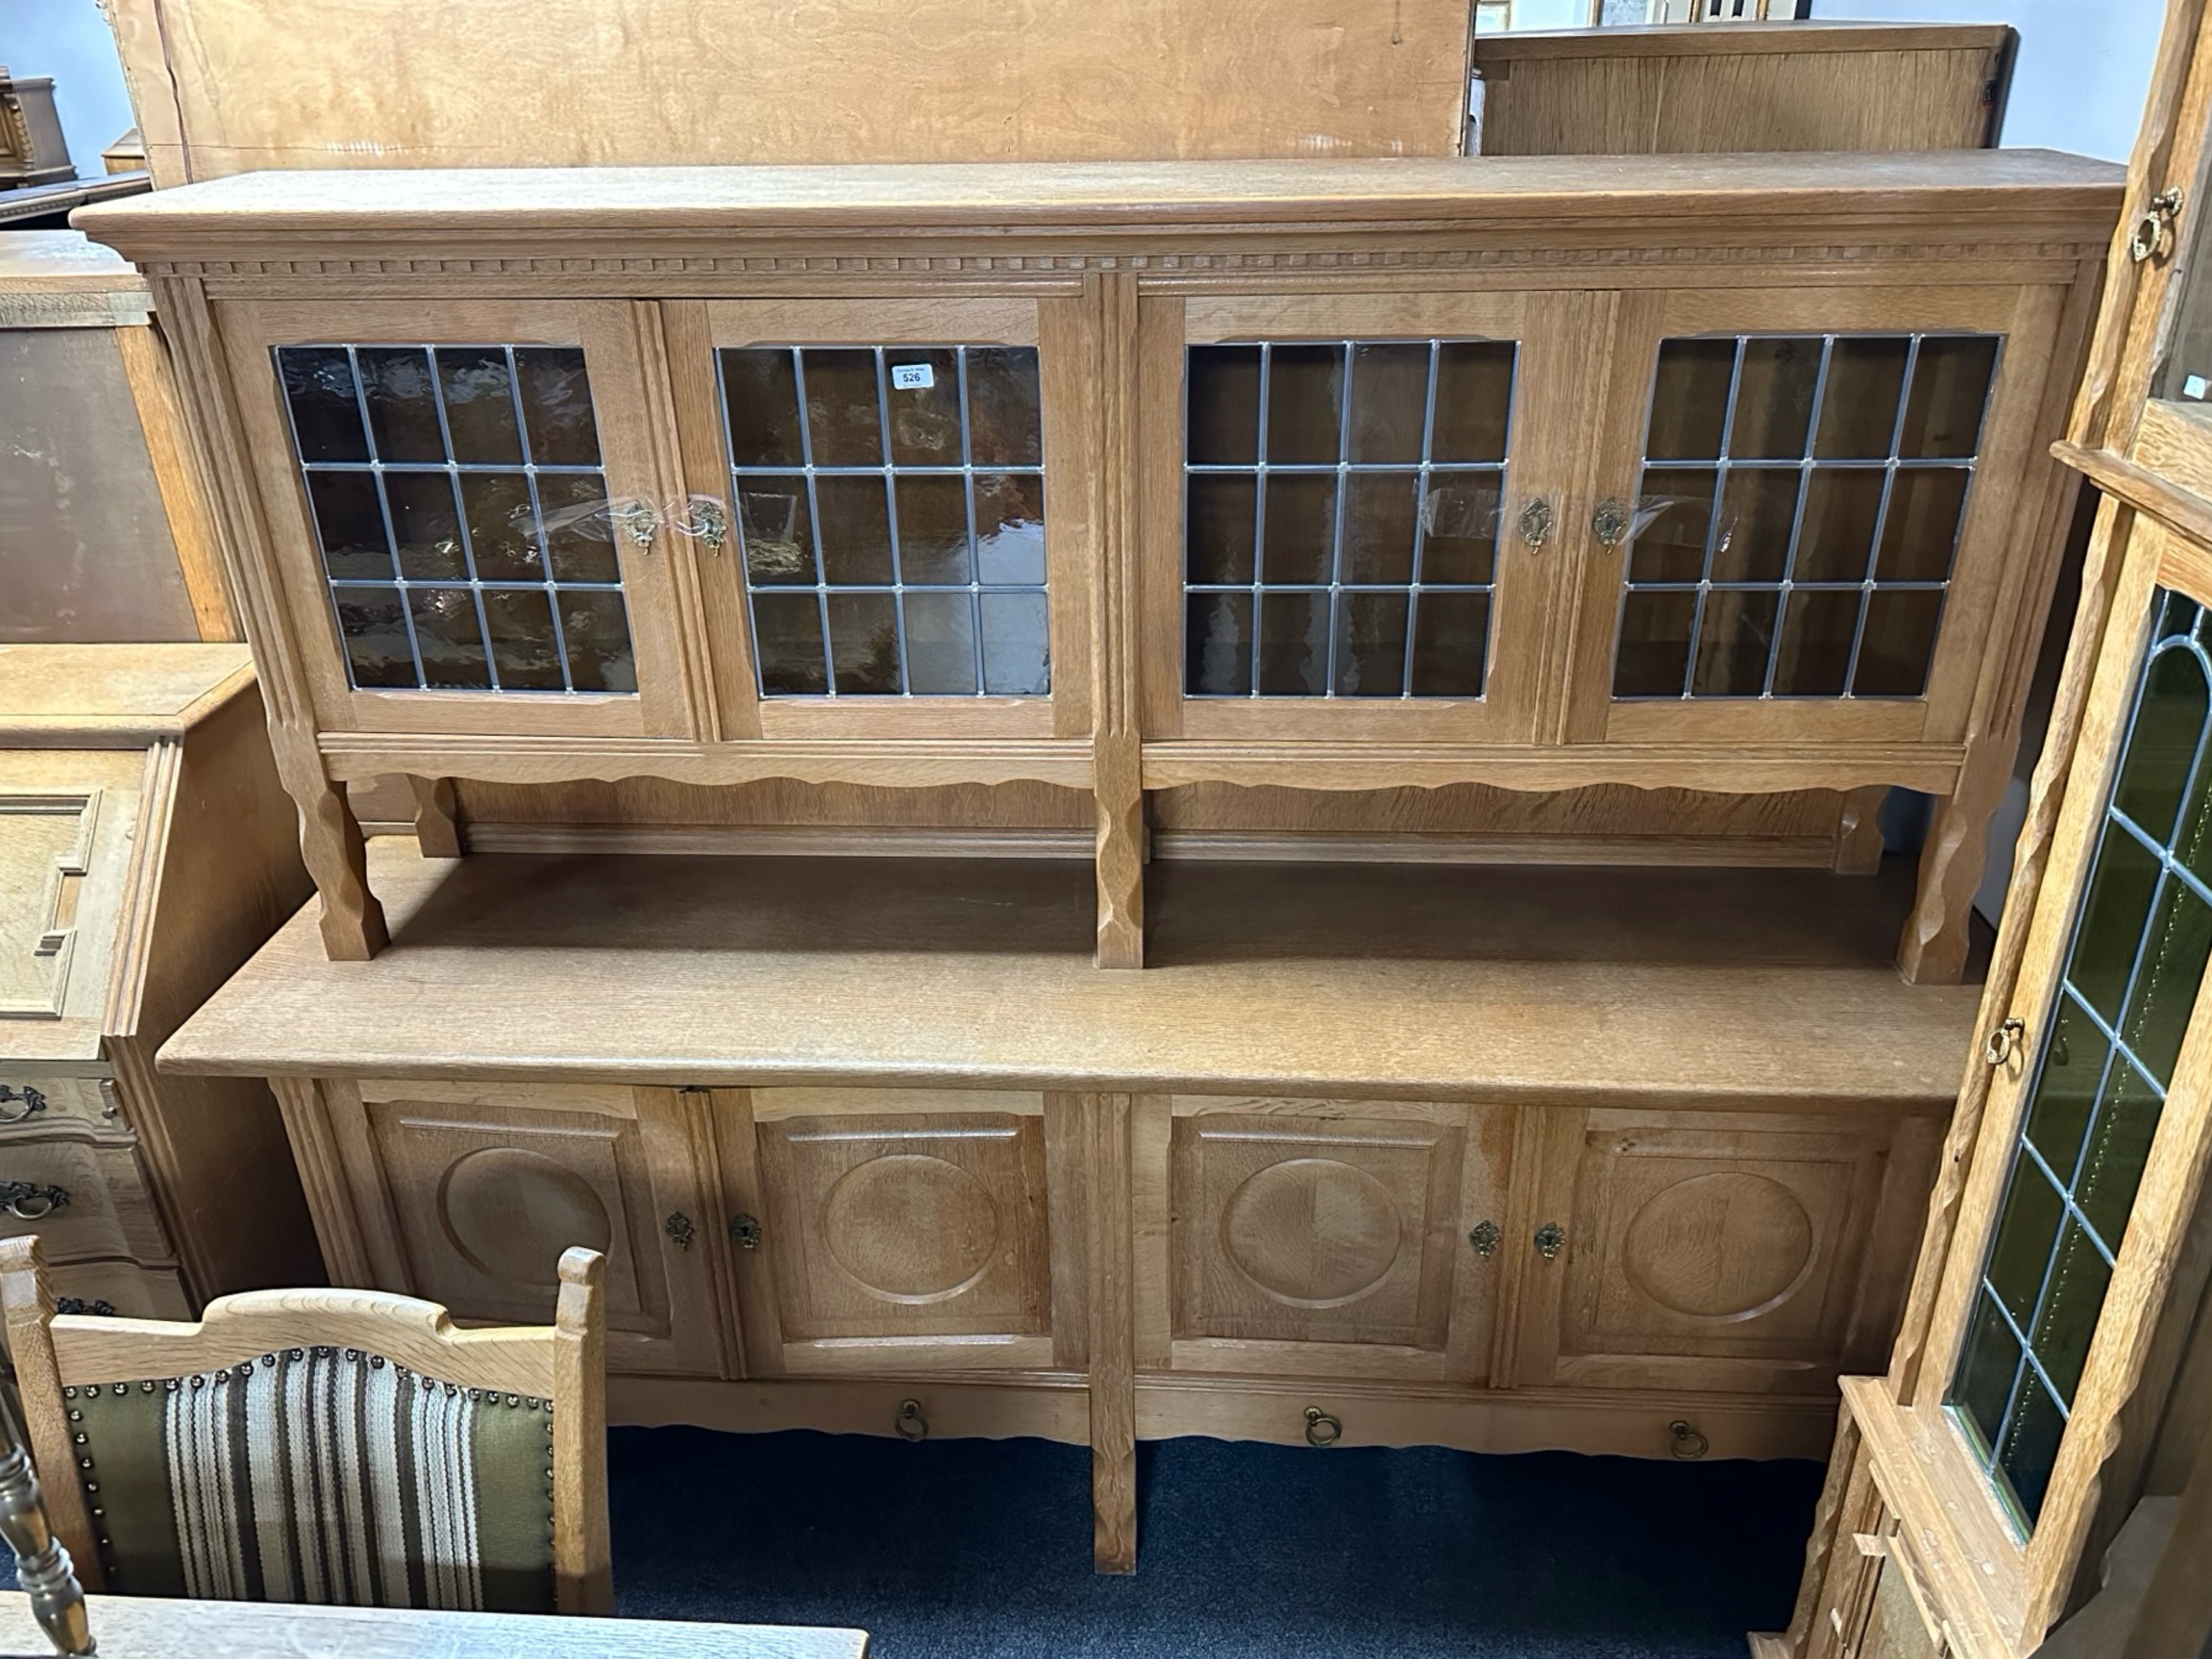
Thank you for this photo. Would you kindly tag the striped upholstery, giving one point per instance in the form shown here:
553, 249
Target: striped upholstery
319, 1474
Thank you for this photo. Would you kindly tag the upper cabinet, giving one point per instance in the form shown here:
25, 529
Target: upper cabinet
1350, 476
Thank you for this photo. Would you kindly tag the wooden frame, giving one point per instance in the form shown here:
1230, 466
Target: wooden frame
1118, 262
564, 1362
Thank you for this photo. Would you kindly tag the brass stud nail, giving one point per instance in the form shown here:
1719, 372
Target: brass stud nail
77, 1417
122, 1388
376, 1362
146, 1388
199, 1381
298, 1353
268, 1360
69, 1394
84, 1463
90, 1485
170, 1383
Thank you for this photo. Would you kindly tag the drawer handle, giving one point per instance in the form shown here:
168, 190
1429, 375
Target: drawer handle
678, 1227
1322, 1429
77, 1304
1551, 1238
745, 1232
1484, 1236
31, 1099
28, 1203
1685, 1442
910, 1424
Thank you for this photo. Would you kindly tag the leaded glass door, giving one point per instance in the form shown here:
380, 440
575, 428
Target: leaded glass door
465, 497
891, 503
1357, 511
1789, 543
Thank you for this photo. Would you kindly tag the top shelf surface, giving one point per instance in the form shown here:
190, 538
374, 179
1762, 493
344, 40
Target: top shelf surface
1748, 988
106, 695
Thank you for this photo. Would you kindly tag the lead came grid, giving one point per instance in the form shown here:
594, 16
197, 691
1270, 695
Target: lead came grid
891, 515
1341, 516
1798, 513
461, 510
2133, 969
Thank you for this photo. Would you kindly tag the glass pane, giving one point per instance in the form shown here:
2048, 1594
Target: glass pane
350, 525
788, 640
777, 530
1858, 406
472, 486
2134, 965
1298, 540
1218, 644
1451, 643
1005, 406
1825, 481
1951, 378
1758, 506
1987, 1372
1459, 528
425, 527
326, 403
1305, 404
1010, 528
1390, 402
1016, 645
556, 406
1380, 510
403, 404
1654, 655
940, 644
479, 396
923, 399
1818, 626
449, 639
1224, 419
1774, 399
1899, 646
1474, 400
1370, 652
854, 521
1690, 400
1673, 521
373, 623
1294, 644
933, 529
760, 390
844, 423
864, 643
1221, 520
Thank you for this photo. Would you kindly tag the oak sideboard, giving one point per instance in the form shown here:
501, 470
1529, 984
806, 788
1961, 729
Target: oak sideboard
1615, 1161
1711, 474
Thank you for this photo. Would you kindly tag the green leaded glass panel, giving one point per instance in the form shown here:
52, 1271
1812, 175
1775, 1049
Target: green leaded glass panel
2133, 970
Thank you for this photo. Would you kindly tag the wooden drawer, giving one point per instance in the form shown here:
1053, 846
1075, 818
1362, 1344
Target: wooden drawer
118, 1288
84, 1199
31, 1101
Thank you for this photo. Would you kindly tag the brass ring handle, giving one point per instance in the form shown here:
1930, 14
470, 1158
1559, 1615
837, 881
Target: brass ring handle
1686, 1443
1551, 1238
1322, 1429
910, 1424
15, 1195
77, 1304
32, 1100
1484, 1235
1535, 522
2153, 230
678, 1227
1609, 523
2005, 1041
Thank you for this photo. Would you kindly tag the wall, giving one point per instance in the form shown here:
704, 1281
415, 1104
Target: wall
2082, 70
69, 40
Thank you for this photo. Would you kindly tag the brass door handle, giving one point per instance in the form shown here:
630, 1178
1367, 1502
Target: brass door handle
1551, 1238
2005, 1041
2153, 230
26, 1202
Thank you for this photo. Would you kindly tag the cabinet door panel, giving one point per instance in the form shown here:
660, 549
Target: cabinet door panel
1705, 1251
1328, 1238
1814, 503
490, 1185
460, 500
913, 1235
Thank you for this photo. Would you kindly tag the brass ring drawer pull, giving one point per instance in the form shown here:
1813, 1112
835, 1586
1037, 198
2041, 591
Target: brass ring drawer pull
910, 1422
1685, 1442
77, 1304
26, 1202
31, 1099
2005, 1041
1322, 1429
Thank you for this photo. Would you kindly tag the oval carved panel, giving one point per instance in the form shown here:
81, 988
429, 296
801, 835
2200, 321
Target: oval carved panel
510, 1213
1725, 1245
911, 1228
1314, 1232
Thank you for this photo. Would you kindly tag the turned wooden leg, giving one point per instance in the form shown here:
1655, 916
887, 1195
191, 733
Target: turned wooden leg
1113, 1339
330, 846
1858, 832
1933, 950
437, 817
1120, 795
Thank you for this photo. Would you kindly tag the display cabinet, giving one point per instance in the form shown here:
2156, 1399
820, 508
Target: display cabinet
145, 852
1338, 476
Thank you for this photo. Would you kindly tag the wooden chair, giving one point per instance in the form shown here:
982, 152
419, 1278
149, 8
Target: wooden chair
331, 1446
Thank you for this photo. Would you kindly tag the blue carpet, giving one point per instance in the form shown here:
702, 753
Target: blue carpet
982, 1549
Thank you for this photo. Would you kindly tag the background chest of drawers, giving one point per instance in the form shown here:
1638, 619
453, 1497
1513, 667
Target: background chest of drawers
145, 851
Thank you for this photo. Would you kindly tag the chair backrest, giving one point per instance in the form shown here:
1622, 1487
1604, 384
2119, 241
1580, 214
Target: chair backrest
323, 1446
